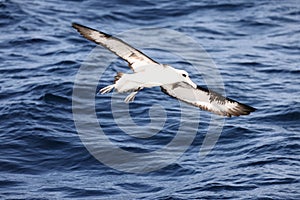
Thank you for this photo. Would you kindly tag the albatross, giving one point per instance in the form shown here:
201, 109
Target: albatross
148, 73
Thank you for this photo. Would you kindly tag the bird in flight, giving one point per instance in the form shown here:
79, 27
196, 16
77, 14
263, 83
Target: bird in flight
148, 73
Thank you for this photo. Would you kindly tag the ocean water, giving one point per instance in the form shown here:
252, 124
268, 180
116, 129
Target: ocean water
256, 48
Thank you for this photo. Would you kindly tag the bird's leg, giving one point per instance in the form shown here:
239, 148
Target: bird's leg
131, 96
107, 89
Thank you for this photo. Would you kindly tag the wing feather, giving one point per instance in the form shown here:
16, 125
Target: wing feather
207, 100
134, 57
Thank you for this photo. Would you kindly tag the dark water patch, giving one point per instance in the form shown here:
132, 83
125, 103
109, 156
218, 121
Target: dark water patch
287, 47
291, 49
293, 13
210, 31
51, 98
8, 183
75, 40
284, 19
289, 115
18, 166
28, 41
222, 7
176, 170
260, 163
250, 22
283, 33
250, 63
278, 181
280, 72
15, 71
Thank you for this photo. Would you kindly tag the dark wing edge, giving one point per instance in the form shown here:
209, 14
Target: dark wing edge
120, 48
211, 101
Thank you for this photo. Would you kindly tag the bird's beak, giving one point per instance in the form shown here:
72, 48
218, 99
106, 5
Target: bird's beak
190, 82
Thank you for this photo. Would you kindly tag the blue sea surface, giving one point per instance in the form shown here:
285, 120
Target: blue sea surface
254, 44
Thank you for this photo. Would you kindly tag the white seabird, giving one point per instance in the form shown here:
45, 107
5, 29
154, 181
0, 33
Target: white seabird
149, 73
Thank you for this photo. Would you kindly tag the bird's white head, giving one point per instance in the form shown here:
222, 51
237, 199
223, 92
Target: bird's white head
184, 76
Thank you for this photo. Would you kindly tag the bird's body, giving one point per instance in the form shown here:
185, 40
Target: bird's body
148, 73
148, 76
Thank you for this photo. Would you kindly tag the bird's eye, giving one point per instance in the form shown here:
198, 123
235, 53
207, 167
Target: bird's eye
184, 75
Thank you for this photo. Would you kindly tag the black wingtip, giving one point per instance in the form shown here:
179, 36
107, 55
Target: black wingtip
79, 26
76, 25
243, 109
84, 29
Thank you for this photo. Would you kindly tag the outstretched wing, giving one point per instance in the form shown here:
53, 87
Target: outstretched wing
134, 57
207, 100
